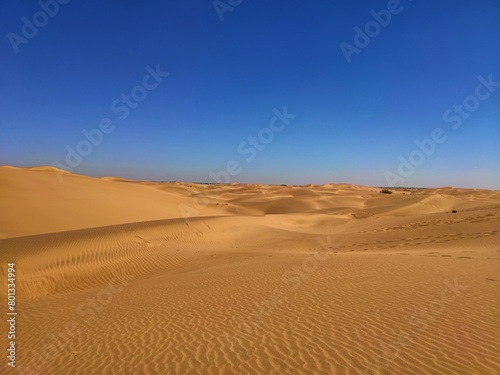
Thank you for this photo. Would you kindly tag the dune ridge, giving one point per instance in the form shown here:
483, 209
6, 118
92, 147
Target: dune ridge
136, 277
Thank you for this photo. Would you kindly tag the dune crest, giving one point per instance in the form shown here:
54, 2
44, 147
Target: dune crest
137, 277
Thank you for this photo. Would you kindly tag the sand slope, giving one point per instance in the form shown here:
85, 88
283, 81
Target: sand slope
124, 277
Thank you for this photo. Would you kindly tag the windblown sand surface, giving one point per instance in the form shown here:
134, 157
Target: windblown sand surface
128, 277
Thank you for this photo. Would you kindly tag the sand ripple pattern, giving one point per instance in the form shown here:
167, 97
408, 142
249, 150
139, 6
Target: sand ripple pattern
330, 279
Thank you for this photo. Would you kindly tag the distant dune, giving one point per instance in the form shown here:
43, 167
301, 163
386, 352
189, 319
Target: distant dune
135, 277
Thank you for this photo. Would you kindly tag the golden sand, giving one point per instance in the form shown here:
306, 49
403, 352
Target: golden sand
128, 277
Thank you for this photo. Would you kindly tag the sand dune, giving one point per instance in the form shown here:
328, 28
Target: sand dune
135, 277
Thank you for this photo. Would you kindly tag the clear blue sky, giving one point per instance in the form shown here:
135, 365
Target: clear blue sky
353, 120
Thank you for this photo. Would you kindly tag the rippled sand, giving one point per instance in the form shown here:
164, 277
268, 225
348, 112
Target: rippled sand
127, 277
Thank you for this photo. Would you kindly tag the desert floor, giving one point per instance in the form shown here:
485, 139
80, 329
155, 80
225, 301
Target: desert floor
133, 277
